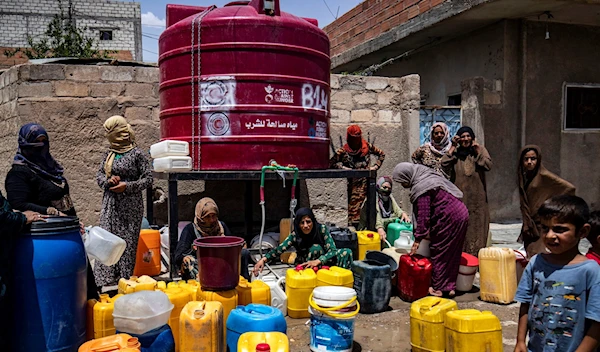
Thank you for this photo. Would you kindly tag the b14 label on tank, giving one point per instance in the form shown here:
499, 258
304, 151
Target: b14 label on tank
314, 97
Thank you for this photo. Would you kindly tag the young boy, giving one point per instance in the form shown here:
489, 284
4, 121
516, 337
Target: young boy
560, 291
594, 252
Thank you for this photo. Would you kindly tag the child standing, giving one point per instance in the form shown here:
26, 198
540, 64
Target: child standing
560, 291
594, 252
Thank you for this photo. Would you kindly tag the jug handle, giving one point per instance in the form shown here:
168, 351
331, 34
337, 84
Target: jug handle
107, 348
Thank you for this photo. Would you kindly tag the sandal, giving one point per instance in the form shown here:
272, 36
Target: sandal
435, 293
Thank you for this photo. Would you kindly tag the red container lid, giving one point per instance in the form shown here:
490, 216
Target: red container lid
263, 347
324, 267
299, 267
370, 235
467, 259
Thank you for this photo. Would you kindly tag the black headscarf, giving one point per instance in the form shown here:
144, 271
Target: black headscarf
35, 154
305, 241
462, 152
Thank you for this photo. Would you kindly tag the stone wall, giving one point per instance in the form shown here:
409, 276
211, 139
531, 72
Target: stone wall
20, 18
73, 101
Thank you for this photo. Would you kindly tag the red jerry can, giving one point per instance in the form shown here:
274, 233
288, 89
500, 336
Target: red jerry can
414, 277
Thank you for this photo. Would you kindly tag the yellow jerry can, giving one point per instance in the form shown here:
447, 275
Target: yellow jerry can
470, 330
497, 275
229, 299
201, 327
103, 316
119, 342
278, 342
367, 241
179, 297
253, 292
335, 276
299, 284
135, 284
427, 331
89, 321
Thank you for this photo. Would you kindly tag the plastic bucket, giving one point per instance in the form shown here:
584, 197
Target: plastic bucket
332, 313
466, 272
219, 260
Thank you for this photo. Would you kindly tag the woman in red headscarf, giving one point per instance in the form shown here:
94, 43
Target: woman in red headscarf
355, 155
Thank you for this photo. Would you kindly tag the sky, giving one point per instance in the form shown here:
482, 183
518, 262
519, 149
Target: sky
153, 16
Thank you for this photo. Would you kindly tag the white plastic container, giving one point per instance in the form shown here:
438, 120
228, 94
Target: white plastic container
278, 296
424, 248
466, 272
140, 312
103, 245
395, 253
169, 148
172, 164
404, 242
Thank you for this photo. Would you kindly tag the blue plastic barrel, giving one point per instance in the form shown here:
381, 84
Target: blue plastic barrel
50, 287
253, 318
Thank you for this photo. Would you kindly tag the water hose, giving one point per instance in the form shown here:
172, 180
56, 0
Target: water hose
273, 166
331, 311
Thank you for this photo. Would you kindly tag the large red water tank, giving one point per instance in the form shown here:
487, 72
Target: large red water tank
263, 91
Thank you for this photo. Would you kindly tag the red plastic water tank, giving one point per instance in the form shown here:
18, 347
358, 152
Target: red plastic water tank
263, 91
414, 277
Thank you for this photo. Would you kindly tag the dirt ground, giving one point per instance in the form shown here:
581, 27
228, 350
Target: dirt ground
390, 331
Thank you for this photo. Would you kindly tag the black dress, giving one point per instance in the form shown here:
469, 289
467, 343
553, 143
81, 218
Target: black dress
28, 190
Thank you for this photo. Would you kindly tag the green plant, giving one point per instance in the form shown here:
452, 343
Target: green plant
62, 38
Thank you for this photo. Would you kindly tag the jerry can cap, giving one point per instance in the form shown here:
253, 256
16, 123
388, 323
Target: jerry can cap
324, 267
299, 267
467, 259
370, 235
263, 347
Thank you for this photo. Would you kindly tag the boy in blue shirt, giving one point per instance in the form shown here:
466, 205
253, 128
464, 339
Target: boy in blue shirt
560, 290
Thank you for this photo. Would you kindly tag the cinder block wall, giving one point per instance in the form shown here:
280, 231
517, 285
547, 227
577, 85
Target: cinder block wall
73, 101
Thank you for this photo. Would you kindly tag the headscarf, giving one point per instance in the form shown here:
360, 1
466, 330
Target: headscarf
121, 138
35, 154
542, 186
462, 152
205, 207
444, 145
384, 197
355, 144
422, 179
305, 241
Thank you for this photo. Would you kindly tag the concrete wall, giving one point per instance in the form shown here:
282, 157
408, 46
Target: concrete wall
73, 102
571, 55
20, 18
371, 18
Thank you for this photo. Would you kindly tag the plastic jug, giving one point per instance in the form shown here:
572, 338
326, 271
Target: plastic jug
191, 286
250, 341
179, 297
118, 342
470, 330
466, 272
157, 340
373, 285
395, 229
103, 245
89, 319
427, 330
103, 316
253, 318
335, 276
169, 148
414, 277
229, 300
253, 292
404, 242
201, 327
136, 284
140, 312
367, 241
394, 253
497, 275
278, 296
299, 284
147, 259
345, 238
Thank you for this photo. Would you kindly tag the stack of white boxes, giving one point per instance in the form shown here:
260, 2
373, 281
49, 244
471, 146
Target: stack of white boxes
171, 156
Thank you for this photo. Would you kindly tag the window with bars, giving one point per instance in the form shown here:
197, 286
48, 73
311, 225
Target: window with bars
581, 107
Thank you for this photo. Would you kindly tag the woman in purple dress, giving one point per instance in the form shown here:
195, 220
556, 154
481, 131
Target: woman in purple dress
441, 217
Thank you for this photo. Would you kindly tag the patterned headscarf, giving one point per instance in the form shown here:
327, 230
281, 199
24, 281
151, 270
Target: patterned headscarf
36, 154
422, 179
121, 138
444, 145
382, 180
355, 144
205, 207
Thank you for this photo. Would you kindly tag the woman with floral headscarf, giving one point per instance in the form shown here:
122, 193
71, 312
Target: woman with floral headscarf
387, 208
123, 175
355, 154
469, 161
441, 217
430, 154
36, 182
206, 223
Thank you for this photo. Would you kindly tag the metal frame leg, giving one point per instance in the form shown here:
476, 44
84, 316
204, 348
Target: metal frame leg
173, 224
